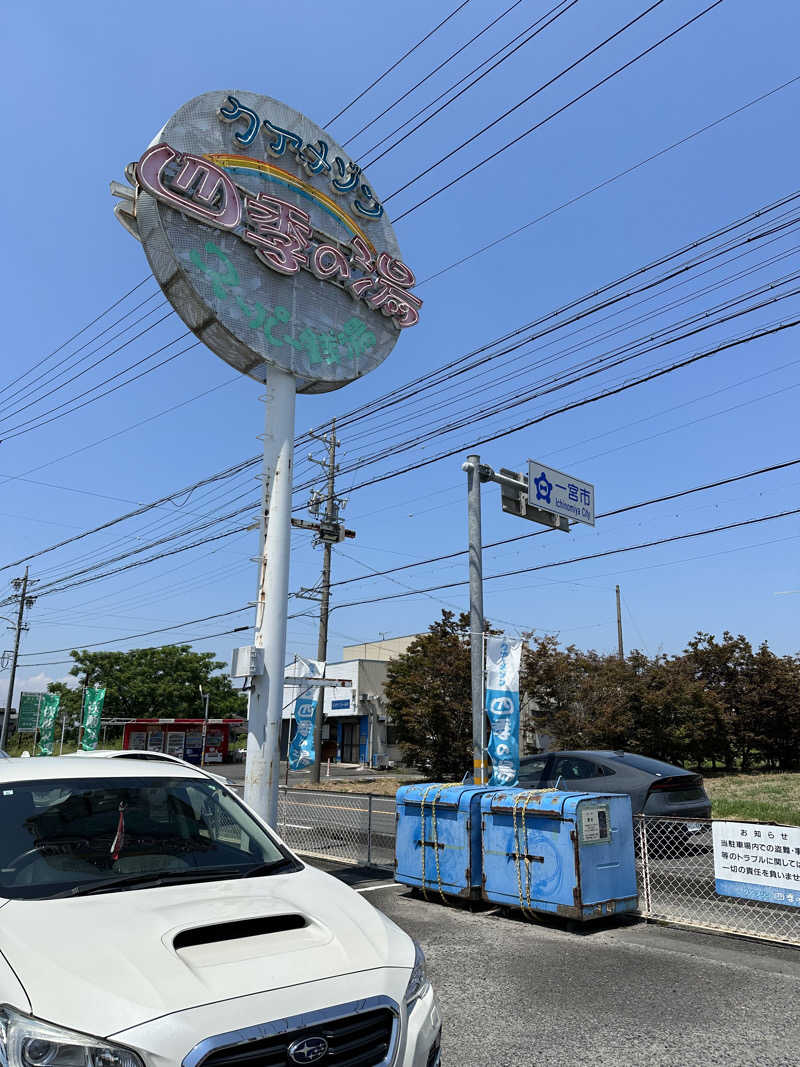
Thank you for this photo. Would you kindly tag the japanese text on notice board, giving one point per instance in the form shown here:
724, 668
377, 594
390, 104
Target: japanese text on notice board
757, 861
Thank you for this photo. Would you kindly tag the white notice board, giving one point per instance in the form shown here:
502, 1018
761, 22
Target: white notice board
757, 861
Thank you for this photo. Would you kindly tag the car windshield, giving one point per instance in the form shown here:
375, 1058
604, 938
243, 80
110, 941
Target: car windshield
72, 836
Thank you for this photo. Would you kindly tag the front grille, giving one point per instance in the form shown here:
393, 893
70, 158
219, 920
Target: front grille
361, 1040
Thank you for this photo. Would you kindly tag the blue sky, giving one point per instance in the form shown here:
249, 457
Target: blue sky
87, 87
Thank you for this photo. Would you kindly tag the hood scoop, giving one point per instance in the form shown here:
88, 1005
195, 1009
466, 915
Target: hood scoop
238, 930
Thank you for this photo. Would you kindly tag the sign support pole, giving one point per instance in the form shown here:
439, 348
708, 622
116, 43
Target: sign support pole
472, 468
265, 706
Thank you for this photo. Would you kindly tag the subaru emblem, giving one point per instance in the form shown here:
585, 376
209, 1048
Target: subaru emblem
308, 1050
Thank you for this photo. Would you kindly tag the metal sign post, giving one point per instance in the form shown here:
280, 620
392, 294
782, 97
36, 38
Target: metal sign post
546, 496
472, 468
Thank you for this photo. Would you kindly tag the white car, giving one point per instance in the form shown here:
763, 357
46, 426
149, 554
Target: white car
148, 918
146, 754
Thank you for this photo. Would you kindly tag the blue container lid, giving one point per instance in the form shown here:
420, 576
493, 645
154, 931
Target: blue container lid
539, 801
443, 794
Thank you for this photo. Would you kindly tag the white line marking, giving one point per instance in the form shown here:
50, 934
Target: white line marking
384, 885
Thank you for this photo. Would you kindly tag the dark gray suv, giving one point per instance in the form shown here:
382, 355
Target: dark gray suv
655, 788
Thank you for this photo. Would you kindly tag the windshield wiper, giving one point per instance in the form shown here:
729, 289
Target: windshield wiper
268, 868
150, 879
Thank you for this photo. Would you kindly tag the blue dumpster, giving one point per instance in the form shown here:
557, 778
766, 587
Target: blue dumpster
566, 853
438, 843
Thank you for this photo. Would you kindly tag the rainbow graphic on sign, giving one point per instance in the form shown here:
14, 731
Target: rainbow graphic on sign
233, 164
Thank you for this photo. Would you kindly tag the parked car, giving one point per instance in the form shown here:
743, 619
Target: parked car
145, 754
655, 788
147, 916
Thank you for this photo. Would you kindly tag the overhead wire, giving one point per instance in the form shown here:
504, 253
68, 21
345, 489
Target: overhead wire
625, 509
606, 182
722, 231
580, 559
529, 33
50, 377
432, 73
74, 336
397, 62
542, 122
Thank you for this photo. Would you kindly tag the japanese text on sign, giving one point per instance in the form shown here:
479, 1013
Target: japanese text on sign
280, 234
758, 862
344, 177
559, 493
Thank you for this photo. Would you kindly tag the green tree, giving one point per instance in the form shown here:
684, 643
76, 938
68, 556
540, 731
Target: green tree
69, 703
726, 669
428, 692
672, 716
154, 683
589, 700
773, 696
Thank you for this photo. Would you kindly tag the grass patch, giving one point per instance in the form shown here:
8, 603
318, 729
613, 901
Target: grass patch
762, 797
384, 786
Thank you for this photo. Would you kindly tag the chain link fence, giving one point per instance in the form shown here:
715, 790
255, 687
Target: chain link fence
674, 860
675, 870
355, 828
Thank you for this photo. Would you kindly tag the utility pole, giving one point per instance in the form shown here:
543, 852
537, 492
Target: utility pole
330, 532
619, 628
472, 468
21, 586
331, 516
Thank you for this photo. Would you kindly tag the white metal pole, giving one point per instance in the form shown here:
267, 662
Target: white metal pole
265, 706
205, 697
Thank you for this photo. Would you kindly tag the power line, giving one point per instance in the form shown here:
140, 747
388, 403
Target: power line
544, 121
146, 633
49, 376
601, 395
397, 62
606, 182
83, 329
170, 498
168, 644
536, 27
23, 428
391, 398
435, 70
579, 559
602, 515
409, 591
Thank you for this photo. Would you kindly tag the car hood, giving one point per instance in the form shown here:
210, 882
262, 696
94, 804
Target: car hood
106, 962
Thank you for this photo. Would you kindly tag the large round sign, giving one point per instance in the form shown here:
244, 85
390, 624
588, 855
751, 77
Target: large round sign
270, 243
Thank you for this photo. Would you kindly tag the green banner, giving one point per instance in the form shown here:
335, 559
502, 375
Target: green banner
28, 715
92, 714
48, 713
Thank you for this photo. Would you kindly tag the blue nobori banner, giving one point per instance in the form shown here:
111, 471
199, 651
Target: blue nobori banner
502, 707
301, 747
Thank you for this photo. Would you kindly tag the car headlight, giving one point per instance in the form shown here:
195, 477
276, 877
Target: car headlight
27, 1042
418, 983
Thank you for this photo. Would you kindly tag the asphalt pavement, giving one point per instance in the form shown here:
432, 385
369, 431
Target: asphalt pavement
521, 994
